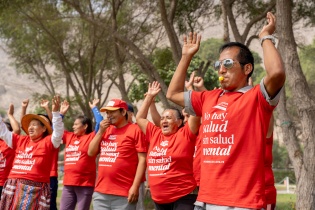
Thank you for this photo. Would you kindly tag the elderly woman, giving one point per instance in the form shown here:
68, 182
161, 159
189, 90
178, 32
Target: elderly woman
170, 155
27, 186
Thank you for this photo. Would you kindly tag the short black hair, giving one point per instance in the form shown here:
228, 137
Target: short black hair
244, 56
86, 121
130, 108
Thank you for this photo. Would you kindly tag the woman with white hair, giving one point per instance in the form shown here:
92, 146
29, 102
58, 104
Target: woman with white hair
27, 186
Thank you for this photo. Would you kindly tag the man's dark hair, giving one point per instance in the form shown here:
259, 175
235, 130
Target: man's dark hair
86, 121
121, 110
244, 56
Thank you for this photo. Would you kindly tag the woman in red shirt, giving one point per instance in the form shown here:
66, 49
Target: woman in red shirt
27, 186
79, 168
170, 155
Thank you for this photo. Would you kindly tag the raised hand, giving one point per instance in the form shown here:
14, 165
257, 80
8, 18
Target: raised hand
25, 103
189, 85
10, 110
270, 28
44, 103
64, 107
55, 103
199, 84
191, 44
153, 89
94, 103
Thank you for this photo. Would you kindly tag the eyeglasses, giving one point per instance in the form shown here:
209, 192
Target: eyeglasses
227, 63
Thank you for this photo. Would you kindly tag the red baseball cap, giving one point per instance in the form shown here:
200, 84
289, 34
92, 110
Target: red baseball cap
115, 104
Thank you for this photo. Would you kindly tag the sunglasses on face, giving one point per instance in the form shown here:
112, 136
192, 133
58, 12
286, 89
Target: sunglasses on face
227, 63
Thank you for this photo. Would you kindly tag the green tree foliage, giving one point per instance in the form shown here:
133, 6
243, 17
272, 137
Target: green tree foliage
51, 43
307, 55
188, 13
164, 64
304, 10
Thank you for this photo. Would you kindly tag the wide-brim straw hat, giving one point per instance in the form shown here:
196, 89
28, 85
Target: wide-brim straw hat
29, 117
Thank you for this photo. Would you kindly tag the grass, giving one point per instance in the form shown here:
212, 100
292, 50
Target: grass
286, 201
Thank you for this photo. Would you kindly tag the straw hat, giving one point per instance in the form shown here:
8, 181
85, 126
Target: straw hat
29, 117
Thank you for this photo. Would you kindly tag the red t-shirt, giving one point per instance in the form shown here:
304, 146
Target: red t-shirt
79, 168
118, 159
33, 160
170, 163
234, 129
270, 189
197, 159
6, 161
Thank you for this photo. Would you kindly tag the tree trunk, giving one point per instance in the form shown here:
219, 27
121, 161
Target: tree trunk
226, 35
167, 20
119, 62
303, 162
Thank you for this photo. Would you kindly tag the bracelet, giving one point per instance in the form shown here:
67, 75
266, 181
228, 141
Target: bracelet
270, 37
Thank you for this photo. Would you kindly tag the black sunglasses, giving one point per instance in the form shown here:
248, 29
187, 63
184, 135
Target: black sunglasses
227, 63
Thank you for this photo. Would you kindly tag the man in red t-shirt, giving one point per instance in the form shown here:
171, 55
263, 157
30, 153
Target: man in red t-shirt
235, 121
122, 159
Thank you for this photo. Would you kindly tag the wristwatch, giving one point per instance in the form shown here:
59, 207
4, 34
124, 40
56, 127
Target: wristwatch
270, 37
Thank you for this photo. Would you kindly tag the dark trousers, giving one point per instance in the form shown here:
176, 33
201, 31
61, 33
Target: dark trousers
53, 192
1, 187
184, 203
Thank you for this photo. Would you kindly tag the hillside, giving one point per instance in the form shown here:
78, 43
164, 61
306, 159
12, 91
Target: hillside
14, 87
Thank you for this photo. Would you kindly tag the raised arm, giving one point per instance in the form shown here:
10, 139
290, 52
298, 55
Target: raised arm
45, 105
199, 84
142, 114
24, 106
64, 107
189, 85
14, 123
156, 117
275, 77
175, 90
95, 143
97, 115
194, 123
57, 123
